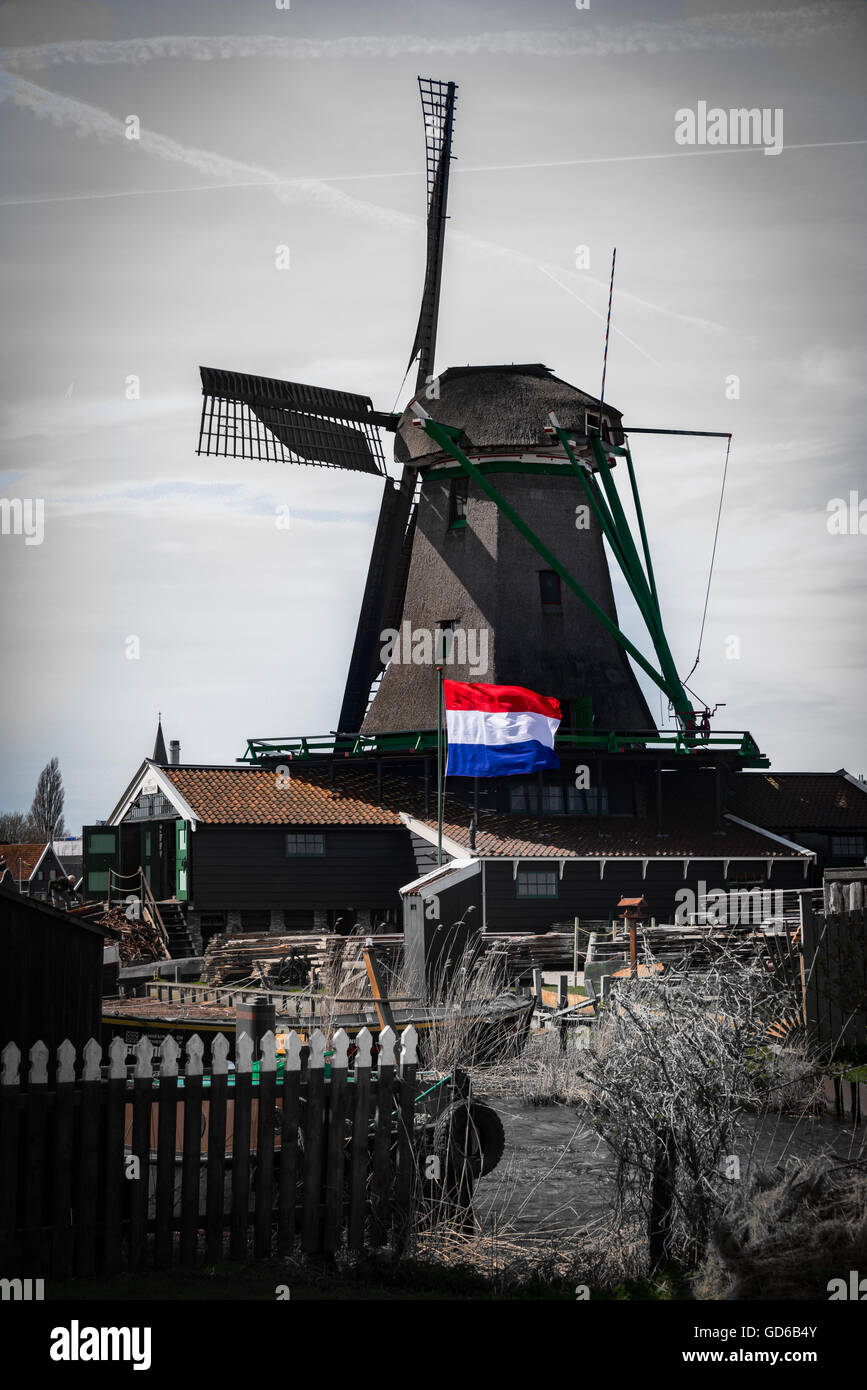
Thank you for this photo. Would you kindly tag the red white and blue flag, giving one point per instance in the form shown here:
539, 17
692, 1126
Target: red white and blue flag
498, 730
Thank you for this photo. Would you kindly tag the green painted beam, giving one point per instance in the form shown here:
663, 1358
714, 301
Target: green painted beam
444, 435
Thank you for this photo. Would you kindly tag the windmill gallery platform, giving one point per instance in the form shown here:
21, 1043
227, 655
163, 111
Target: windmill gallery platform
496, 522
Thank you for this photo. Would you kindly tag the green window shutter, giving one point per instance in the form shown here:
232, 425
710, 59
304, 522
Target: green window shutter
182, 862
101, 855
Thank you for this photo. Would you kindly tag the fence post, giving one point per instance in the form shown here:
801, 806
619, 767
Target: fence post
89, 1131
215, 1201
289, 1144
113, 1154
359, 1152
64, 1114
381, 1186
192, 1160
10, 1086
166, 1150
35, 1143
266, 1137
310, 1221
241, 1145
405, 1147
140, 1147
335, 1163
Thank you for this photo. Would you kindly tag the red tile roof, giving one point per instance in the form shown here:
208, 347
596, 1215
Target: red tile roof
782, 801
612, 838
252, 796
29, 855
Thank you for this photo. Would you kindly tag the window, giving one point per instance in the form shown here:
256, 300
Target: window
524, 799
537, 883
592, 418
584, 801
458, 494
101, 844
305, 843
549, 589
581, 712
848, 846
298, 919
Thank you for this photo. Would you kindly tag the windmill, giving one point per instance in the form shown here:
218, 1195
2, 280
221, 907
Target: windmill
452, 552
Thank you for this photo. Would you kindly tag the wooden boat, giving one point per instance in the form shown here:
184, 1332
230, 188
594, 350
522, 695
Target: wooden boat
488, 1028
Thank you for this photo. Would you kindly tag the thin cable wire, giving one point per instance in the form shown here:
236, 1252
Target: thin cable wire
712, 558
607, 330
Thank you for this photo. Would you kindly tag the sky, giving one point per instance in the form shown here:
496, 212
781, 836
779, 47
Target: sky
165, 581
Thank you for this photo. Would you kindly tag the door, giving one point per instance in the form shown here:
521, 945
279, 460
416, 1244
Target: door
101, 855
182, 850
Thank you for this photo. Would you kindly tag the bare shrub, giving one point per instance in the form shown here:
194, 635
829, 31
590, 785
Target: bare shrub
679, 1061
788, 1232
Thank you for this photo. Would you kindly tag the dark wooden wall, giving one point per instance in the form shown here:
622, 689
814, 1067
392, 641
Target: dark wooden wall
246, 866
581, 892
51, 975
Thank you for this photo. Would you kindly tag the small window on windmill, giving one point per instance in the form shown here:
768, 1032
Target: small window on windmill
458, 494
593, 423
549, 591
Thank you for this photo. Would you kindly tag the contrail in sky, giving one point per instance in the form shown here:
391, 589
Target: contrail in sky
586, 39
93, 120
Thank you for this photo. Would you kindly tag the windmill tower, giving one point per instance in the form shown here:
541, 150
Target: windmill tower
446, 556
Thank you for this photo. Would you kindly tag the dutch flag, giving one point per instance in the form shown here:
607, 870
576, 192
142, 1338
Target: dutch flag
498, 730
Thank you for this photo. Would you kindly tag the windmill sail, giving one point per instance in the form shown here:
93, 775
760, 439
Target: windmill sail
385, 589
260, 417
438, 105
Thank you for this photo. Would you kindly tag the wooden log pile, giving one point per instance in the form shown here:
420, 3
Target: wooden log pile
138, 940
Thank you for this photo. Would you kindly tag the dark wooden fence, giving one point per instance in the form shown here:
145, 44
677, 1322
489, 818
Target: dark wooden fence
835, 979
105, 1171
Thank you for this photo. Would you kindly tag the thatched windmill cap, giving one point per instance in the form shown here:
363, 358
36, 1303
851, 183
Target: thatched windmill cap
499, 407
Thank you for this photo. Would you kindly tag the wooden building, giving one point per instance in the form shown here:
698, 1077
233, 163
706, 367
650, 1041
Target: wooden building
333, 841
33, 867
51, 981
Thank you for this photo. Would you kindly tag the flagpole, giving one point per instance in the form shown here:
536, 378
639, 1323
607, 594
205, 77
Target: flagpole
439, 766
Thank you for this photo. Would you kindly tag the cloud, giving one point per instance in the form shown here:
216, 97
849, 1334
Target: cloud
84, 119
803, 24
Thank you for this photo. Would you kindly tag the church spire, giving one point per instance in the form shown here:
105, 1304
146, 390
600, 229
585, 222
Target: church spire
160, 755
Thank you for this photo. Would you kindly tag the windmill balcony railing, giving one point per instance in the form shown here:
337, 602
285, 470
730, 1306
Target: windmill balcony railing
265, 751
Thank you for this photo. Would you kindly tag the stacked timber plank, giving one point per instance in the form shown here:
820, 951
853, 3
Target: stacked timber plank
551, 950
286, 961
265, 959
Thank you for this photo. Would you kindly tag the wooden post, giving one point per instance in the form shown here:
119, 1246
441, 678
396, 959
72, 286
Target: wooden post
563, 992
358, 1154
313, 1133
289, 1145
265, 1139
575, 952
10, 1086
217, 1104
140, 1148
405, 1151
192, 1150
112, 1191
61, 1245
335, 1159
537, 983
382, 1176
241, 1120
633, 948
166, 1140
88, 1159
